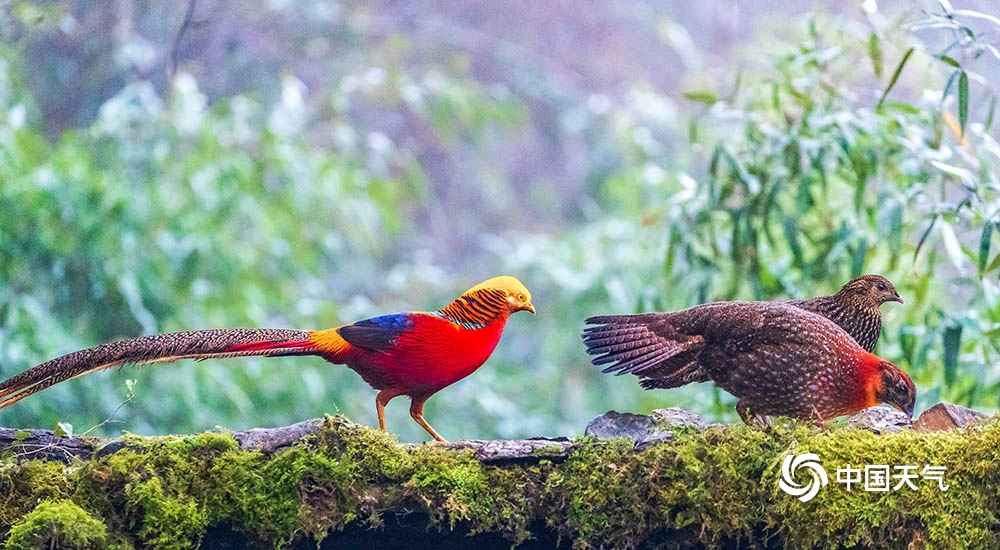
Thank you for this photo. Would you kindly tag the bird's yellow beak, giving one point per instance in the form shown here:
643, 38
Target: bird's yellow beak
528, 307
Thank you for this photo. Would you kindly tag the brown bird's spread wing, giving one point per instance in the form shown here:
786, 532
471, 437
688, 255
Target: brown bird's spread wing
734, 325
634, 343
663, 349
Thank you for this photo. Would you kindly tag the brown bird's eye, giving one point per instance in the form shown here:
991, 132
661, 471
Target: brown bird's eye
881, 286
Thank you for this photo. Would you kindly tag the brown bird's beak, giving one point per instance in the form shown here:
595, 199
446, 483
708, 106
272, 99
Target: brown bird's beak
898, 298
901, 408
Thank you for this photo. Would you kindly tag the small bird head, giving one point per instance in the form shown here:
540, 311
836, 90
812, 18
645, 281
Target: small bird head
870, 291
895, 388
517, 296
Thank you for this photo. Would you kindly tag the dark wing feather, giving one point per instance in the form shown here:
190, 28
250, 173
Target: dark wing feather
377, 333
635, 343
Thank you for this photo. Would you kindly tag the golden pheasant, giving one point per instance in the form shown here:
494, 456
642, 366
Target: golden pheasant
415, 354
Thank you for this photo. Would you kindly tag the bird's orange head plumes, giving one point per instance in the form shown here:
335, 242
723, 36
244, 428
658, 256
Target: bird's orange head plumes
869, 292
893, 387
514, 293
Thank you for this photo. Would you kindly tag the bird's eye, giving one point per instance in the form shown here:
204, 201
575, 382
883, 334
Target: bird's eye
881, 286
520, 297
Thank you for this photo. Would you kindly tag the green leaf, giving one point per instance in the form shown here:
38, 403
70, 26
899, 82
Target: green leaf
951, 339
792, 236
21, 435
988, 124
708, 98
908, 344
875, 53
895, 77
949, 61
63, 429
963, 100
859, 256
984, 247
994, 265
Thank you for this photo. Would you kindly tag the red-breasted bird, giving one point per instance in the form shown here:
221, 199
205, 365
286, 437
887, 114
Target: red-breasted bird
414, 354
778, 359
855, 308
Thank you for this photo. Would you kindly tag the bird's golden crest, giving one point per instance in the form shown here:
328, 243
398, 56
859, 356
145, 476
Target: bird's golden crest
517, 295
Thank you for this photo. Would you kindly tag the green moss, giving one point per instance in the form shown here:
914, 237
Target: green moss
57, 524
23, 485
714, 486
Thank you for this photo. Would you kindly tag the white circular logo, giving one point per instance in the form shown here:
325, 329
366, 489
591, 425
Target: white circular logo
791, 464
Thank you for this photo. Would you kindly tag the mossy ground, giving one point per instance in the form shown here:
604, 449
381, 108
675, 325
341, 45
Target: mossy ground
713, 487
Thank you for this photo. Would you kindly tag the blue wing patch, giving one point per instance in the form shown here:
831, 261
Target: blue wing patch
377, 333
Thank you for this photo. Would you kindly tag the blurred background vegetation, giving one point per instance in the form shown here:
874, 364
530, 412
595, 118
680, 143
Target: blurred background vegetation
304, 164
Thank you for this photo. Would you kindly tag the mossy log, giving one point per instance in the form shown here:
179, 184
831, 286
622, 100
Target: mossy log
332, 483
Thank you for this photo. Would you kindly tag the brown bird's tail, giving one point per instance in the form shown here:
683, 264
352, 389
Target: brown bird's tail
194, 344
646, 345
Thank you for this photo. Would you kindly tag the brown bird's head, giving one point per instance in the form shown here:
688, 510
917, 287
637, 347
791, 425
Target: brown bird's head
870, 291
894, 387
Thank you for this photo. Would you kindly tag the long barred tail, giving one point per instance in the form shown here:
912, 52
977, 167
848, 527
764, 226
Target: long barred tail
193, 344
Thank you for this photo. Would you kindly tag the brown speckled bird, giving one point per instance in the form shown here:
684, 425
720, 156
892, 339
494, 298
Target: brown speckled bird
778, 359
855, 307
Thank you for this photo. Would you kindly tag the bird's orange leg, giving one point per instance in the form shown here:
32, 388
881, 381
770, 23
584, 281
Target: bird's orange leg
381, 400
417, 413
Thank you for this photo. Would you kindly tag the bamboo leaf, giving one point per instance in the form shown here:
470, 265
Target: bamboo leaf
994, 265
950, 61
984, 246
907, 344
708, 98
859, 257
792, 236
875, 53
895, 77
988, 124
963, 100
951, 339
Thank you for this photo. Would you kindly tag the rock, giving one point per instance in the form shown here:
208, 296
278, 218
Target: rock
881, 420
640, 428
269, 440
676, 416
519, 451
947, 416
